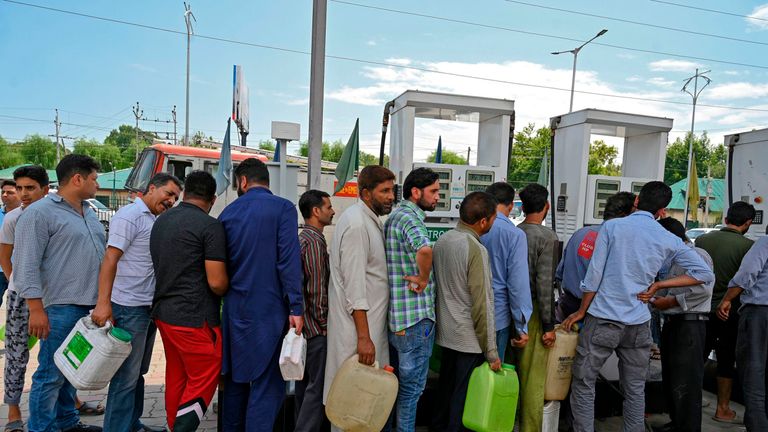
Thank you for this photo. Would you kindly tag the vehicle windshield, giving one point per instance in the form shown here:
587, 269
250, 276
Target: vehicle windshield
138, 179
98, 204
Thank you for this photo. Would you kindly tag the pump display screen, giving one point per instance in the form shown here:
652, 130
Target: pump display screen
603, 190
479, 180
444, 202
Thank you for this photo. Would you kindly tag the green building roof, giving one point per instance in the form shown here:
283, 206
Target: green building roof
7, 174
716, 200
114, 179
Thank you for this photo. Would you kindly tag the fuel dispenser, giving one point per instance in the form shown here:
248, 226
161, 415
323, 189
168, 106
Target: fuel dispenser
495, 118
578, 199
747, 175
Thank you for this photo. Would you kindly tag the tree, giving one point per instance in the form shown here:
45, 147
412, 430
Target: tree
707, 155
449, 157
332, 152
267, 145
10, 154
601, 157
527, 153
38, 150
124, 137
107, 155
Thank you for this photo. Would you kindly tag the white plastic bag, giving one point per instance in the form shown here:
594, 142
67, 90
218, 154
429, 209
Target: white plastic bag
292, 356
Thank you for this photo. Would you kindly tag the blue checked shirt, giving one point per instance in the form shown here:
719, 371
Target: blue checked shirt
405, 233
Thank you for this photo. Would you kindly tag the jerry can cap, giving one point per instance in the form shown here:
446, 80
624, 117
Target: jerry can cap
120, 334
508, 366
389, 369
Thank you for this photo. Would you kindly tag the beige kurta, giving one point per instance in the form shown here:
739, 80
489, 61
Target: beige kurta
358, 282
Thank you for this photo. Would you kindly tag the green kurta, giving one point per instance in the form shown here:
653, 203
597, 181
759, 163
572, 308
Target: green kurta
532, 369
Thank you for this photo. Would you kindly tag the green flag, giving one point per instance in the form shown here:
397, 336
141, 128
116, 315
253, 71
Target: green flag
350, 159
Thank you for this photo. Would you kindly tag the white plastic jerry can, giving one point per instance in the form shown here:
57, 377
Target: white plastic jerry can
293, 356
91, 355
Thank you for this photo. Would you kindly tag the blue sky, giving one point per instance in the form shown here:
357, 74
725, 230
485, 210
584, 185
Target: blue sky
94, 71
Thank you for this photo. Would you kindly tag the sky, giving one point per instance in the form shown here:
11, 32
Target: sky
95, 70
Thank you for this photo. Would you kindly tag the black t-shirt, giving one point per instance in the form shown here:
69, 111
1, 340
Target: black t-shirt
182, 239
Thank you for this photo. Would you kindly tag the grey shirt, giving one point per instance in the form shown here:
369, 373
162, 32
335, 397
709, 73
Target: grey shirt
7, 235
693, 298
57, 253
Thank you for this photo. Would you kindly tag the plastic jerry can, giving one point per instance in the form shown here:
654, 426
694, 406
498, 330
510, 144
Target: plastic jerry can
90, 355
551, 416
361, 397
292, 356
559, 365
31, 340
491, 399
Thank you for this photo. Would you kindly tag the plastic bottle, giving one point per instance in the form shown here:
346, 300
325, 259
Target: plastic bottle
491, 399
551, 416
293, 356
90, 355
361, 397
559, 365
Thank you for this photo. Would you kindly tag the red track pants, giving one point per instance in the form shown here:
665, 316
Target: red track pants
193, 366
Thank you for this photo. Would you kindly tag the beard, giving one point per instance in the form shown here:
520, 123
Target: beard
426, 206
381, 208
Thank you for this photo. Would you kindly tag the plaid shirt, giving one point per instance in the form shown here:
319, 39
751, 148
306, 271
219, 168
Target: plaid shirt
405, 233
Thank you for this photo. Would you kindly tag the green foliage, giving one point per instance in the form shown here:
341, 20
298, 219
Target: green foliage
107, 155
124, 137
332, 152
9, 154
601, 157
449, 157
38, 150
527, 154
707, 155
267, 145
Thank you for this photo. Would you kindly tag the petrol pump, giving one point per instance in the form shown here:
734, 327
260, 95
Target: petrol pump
578, 199
495, 118
747, 175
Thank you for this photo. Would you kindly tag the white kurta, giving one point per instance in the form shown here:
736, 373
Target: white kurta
358, 282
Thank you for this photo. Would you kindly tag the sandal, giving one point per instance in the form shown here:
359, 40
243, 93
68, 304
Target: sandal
90, 409
14, 426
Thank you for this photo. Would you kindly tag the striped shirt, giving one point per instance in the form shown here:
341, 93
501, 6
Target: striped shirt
58, 253
129, 231
405, 233
314, 262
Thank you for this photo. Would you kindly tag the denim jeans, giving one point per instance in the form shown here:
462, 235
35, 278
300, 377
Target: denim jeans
52, 397
502, 340
125, 400
413, 348
3, 286
751, 365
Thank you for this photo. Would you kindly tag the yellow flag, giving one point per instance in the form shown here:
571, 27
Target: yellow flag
693, 191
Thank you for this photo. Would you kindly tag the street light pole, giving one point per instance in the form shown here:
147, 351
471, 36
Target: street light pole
575, 53
188, 17
695, 97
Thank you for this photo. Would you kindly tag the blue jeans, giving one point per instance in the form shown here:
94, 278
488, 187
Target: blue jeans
3, 286
502, 340
52, 397
413, 351
125, 400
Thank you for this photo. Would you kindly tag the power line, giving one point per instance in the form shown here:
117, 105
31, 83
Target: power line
710, 10
409, 67
513, 30
674, 29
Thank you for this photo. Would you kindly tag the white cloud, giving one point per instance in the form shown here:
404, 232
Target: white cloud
143, 67
737, 90
758, 19
732, 72
669, 65
297, 102
626, 56
661, 82
371, 43
634, 78
398, 61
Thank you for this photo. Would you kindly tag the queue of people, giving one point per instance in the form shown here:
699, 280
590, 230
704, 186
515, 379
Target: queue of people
384, 291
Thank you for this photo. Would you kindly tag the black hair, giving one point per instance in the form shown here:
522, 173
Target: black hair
201, 185
73, 164
654, 196
740, 213
309, 200
254, 171
619, 205
419, 179
477, 206
534, 198
162, 179
503, 192
674, 226
372, 176
7, 183
34, 172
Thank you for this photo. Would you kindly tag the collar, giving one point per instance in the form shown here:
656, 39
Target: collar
728, 229
501, 217
643, 213
259, 189
461, 226
55, 197
143, 206
186, 204
368, 212
312, 229
414, 208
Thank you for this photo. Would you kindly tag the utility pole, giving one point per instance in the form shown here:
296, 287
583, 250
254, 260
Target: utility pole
58, 126
695, 95
469, 150
137, 113
173, 113
706, 199
575, 53
316, 88
188, 17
